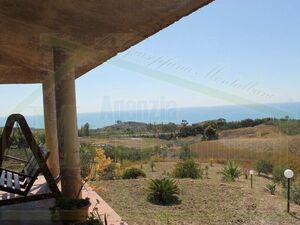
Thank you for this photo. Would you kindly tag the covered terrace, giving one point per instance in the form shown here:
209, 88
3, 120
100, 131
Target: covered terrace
55, 42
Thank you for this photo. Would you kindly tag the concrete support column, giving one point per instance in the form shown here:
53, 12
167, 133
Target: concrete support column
67, 131
50, 124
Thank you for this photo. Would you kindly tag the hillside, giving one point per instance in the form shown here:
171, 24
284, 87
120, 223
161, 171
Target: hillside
250, 144
260, 131
126, 126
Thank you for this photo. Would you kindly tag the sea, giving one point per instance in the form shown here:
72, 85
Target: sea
176, 115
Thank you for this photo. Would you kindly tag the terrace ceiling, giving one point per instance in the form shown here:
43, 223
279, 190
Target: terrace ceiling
91, 31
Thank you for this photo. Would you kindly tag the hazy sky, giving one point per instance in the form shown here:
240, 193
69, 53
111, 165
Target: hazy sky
229, 52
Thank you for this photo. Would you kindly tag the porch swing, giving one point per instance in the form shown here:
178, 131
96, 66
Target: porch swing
18, 145
21, 182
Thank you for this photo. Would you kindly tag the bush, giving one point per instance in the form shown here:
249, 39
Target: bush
188, 169
264, 166
93, 161
247, 123
186, 131
133, 173
163, 192
87, 156
231, 171
210, 133
271, 188
295, 193
186, 152
278, 176
120, 153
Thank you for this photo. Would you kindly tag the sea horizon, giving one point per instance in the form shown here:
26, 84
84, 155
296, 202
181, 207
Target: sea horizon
176, 115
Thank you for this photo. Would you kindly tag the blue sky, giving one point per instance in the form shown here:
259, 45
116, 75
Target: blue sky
235, 52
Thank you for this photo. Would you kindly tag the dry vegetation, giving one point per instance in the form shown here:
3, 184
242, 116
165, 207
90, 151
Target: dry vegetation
209, 201
205, 202
261, 131
250, 144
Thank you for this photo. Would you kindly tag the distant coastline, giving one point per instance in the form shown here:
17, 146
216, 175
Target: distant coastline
176, 115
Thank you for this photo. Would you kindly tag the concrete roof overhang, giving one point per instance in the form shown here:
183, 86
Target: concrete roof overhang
91, 31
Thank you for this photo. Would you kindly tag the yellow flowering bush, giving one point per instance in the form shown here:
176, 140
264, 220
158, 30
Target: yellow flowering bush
100, 163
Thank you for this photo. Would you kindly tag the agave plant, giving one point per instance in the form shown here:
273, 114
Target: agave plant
163, 191
271, 188
231, 171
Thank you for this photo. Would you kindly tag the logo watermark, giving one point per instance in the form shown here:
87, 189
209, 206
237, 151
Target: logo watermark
158, 110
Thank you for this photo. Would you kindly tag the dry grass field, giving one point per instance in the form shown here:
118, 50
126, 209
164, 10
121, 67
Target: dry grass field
250, 144
261, 131
204, 202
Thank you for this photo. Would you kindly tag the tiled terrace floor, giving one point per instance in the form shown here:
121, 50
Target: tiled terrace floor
37, 213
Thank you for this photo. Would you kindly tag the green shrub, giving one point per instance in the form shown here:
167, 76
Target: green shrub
133, 173
271, 188
278, 175
163, 191
295, 193
231, 171
210, 133
120, 153
186, 152
263, 166
188, 169
87, 156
